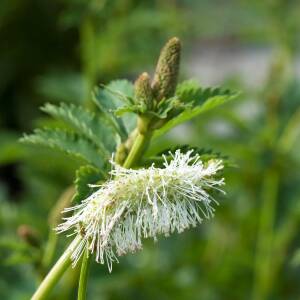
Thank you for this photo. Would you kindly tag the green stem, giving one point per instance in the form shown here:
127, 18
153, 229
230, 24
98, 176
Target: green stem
84, 276
49, 250
140, 144
263, 272
70, 283
55, 273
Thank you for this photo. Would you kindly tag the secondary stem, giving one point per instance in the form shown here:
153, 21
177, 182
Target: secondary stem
83, 276
55, 273
49, 250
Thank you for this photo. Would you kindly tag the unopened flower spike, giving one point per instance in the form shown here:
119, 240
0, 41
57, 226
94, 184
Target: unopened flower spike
167, 68
144, 203
143, 92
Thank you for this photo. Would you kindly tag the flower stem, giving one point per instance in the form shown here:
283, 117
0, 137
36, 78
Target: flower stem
55, 273
84, 276
140, 144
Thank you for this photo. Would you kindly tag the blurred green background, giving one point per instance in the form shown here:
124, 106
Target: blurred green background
53, 51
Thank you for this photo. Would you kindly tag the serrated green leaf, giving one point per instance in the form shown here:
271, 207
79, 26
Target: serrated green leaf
188, 91
209, 99
86, 175
85, 123
205, 155
135, 108
172, 105
110, 98
72, 144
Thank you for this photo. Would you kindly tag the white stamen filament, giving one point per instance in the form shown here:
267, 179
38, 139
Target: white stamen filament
144, 203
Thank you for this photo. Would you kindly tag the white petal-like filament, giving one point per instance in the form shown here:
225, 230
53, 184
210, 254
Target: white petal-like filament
144, 203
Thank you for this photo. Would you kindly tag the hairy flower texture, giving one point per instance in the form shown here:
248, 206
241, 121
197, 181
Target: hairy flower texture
144, 203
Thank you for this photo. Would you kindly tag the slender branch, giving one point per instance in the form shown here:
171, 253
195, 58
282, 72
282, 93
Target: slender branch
84, 276
49, 250
55, 273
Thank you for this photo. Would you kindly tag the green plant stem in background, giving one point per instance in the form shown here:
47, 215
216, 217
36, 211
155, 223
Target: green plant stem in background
267, 263
265, 239
49, 249
55, 273
54, 219
70, 283
84, 276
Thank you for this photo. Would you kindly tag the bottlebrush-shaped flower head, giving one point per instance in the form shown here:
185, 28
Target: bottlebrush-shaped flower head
144, 203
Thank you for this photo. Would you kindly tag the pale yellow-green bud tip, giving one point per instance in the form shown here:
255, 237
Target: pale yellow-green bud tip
166, 74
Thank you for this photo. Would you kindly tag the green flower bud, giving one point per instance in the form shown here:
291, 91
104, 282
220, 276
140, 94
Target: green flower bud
143, 90
166, 74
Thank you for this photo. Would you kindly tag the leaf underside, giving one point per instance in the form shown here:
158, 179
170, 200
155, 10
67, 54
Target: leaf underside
70, 143
86, 124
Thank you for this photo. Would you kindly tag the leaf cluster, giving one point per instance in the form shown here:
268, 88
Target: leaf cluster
92, 137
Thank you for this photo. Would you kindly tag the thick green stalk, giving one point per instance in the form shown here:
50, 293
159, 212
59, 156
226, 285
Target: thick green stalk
55, 273
70, 283
140, 144
84, 276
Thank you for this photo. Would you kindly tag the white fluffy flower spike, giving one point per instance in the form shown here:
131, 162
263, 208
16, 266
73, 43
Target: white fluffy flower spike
143, 203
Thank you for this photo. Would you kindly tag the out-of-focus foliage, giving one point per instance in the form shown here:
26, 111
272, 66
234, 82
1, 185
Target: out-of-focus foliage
57, 51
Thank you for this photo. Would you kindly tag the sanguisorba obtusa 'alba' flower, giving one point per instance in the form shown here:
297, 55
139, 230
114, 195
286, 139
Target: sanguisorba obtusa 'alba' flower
144, 203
